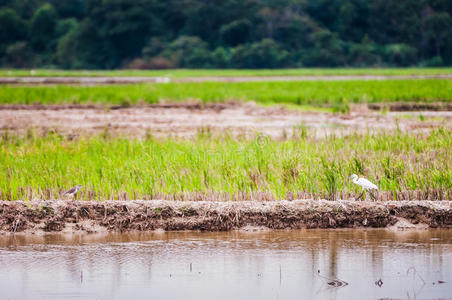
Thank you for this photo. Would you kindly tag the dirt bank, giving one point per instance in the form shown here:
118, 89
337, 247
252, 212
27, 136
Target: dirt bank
407, 106
96, 80
85, 216
188, 119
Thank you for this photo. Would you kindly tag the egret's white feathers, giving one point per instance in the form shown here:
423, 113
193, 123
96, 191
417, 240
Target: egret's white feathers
364, 183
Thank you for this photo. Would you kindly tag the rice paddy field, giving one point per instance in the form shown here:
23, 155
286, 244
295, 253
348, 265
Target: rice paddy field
312, 93
405, 166
409, 156
181, 73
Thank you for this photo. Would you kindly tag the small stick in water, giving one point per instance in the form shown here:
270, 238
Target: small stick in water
280, 275
333, 282
379, 282
415, 273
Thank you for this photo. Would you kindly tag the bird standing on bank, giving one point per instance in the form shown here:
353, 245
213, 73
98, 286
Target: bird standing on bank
73, 191
365, 184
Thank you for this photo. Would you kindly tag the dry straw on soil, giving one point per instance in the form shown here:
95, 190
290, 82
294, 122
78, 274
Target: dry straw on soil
72, 216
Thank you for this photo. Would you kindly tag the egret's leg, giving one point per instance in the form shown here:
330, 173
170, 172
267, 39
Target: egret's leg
372, 196
359, 196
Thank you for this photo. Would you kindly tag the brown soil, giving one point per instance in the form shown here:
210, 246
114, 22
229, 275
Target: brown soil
188, 119
310, 78
412, 106
404, 224
86, 216
131, 79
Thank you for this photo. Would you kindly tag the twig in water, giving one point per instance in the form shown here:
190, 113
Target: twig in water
333, 282
280, 275
415, 273
379, 282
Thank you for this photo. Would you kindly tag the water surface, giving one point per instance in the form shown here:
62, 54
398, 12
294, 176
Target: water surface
233, 265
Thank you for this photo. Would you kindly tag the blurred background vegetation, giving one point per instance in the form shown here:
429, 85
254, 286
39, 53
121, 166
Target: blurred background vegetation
160, 34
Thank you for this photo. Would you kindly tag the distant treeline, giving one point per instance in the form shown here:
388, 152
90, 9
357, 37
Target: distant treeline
105, 34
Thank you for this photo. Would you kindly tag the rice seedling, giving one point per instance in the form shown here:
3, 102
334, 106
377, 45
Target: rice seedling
208, 167
335, 94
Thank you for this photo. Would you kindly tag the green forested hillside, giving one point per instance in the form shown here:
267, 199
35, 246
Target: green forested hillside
105, 34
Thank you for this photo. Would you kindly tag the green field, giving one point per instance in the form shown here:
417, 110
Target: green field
314, 93
40, 167
180, 73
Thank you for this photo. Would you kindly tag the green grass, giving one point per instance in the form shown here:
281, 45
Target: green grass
180, 73
317, 93
223, 167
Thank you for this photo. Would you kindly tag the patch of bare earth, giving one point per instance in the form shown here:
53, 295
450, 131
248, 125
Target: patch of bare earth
189, 119
99, 216
404, 224
99, 80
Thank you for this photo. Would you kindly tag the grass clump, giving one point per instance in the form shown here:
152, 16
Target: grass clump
404, 166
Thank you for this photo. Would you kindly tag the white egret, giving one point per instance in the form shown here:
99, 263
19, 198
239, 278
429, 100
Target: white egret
365, 184
162, 79
72, 191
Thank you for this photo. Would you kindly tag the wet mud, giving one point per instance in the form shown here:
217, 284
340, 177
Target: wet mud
190, 119
147, 215
99, 80
407, 106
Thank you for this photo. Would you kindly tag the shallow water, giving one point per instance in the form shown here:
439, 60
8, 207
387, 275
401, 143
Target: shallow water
233, 265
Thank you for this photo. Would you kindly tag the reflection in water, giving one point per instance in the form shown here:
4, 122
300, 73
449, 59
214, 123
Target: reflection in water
233, 265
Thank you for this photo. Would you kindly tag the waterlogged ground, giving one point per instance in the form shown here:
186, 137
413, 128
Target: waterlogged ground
187, 119
166, 78
358, 264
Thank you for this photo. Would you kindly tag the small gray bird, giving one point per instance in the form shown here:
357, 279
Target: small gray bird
73, 191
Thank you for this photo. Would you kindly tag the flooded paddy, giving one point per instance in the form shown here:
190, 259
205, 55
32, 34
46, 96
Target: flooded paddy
300, 264
189, 119
100, 80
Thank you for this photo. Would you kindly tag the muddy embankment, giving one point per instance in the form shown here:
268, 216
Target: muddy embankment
96, 80
142, 215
